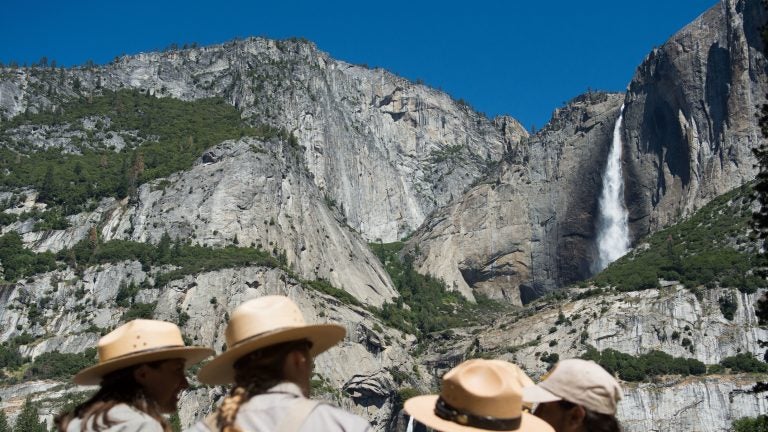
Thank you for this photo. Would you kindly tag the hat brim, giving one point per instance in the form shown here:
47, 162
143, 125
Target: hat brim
93, 375
220, 370
422, 408
536, 394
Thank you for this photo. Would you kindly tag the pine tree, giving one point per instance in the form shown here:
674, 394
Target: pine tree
4, 426
164, 249
48, 187
28, 421
175, 422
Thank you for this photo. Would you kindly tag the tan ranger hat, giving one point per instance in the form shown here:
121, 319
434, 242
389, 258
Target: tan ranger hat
263, 322
477, 395
136, 342
582, 382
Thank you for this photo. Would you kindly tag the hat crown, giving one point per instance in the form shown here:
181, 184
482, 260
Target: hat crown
584, 383
260, 316
138, 336
483, 388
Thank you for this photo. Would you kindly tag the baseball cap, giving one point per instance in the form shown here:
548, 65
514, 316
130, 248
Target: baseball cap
582, 382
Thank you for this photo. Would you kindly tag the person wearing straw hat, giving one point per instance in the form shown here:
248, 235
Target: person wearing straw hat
477, 395
141, 373
269, 359
577, 395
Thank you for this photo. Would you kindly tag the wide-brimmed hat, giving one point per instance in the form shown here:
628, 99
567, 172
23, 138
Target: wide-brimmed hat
523, 380
582, 382
263, 322
136, 342
477, 395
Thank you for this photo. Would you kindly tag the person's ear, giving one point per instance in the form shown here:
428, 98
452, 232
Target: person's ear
294, 360
140, 375
576, 416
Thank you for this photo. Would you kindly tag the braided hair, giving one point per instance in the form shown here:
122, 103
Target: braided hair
255, 373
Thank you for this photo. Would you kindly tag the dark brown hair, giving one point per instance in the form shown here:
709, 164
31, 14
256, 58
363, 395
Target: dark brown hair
255, 373
118, 387
594, 421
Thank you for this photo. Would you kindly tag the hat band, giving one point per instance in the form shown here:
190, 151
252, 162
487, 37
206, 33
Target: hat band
248, 339
144, 351
446, 412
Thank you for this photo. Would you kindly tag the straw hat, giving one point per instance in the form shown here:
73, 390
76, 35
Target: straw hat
523, 380
136, 342
477, 395
582, 382
263, 322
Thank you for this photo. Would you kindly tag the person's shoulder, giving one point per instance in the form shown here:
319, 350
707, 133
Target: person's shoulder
129, 419
345, 420
199, 426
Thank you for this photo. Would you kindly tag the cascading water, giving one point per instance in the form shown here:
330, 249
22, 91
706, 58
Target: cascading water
613, 230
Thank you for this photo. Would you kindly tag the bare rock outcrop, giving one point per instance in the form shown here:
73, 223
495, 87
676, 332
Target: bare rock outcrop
690, 115
386, 150
354, 374
529, 227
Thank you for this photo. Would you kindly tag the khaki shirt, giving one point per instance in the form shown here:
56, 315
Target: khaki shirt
125, 419
263, 413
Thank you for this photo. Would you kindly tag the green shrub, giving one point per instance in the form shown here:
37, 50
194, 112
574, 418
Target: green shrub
431, 307
653, 363
19, 262
139, 311
28, 420
174, 134
10, 356
751, 424
727, 307
324, 286
7, 218
403, 395
697, 252
126, 294
55, 365
744, 362
550, 359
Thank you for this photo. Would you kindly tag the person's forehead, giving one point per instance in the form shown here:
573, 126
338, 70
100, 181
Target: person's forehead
172, 363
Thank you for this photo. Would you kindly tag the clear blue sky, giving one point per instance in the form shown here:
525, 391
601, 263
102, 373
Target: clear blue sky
523, 58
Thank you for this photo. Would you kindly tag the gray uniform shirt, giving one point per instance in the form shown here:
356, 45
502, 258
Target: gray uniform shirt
263, 413
125, 419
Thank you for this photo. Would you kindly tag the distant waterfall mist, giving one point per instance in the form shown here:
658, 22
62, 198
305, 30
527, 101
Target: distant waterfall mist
613, 230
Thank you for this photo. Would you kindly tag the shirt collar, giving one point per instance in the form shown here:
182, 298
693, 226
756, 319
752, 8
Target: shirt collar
286, 387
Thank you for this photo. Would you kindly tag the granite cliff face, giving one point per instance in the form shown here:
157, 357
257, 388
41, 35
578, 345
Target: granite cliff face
386, 150
245, 192
80, 307
690, 115
529, 226
689, 127
373, 157
633, 323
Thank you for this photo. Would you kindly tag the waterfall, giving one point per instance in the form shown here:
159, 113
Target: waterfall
410, 425
613, 231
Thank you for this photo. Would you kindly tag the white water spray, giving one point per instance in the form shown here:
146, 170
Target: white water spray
613, 230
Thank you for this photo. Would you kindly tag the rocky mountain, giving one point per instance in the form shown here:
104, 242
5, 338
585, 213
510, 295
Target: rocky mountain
528, 228
687, 137
178, 184
386, 150
690, 115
